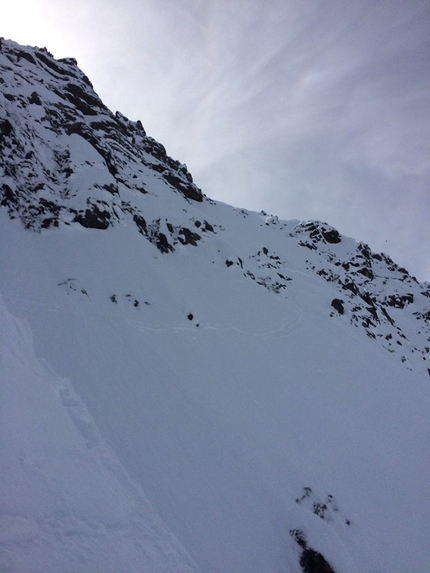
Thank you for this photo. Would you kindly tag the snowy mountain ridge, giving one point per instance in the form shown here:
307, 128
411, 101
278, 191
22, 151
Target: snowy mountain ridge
67, 159
208, 348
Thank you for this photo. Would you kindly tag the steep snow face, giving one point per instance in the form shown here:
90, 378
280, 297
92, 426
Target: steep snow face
210, 347
66, 502
243, 415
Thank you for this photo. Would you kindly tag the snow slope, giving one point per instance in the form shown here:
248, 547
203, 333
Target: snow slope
180, 391
67, 504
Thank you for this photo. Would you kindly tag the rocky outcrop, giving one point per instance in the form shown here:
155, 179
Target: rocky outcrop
375, 293
311, 561
50, 136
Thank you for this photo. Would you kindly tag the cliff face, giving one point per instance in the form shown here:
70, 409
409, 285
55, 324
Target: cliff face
65, 156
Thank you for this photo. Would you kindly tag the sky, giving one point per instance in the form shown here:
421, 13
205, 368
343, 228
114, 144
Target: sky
306, 109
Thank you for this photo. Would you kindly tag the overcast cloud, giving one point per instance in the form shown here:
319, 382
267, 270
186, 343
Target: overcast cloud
308, 109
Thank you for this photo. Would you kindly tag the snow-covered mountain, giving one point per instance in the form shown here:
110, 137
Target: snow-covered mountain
189, 386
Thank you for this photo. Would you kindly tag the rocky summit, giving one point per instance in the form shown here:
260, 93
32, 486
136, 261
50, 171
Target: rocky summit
187, 385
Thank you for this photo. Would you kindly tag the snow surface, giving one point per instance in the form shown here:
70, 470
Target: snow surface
67, 504
222, 420
174, 412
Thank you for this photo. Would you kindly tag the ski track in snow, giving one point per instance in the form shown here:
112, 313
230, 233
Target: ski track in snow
280, 330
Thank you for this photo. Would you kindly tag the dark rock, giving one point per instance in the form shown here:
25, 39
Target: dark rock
189, 190
331, 236
373, 312
306, 493
53, 211
328, 275
371, 308
140, 223
229, 263
310, 246
399, 301
319, 509
110, 187
25, 56
337, 304
48, 60
368, 273
35, 98
163, 244
49, 222
5, 127
69, 61
313, 562
387, 316
351, 286
187, 237
8, 196
425, 315
94, 218
140, 127
365, 251
156, 149
299, 536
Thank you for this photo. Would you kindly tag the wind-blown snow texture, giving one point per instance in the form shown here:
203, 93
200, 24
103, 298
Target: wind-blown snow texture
187, 386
